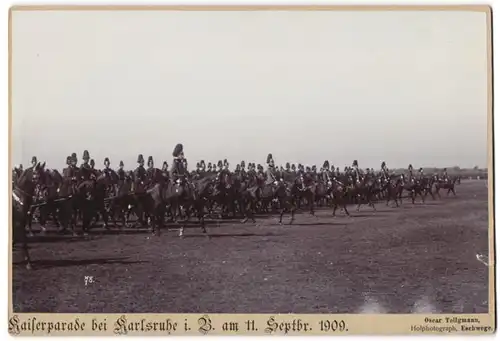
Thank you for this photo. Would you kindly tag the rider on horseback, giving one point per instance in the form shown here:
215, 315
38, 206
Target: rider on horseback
324, 174
410, 170
178, 170
356, 170
34, 161
121, 172
106, 169
140, 171
445, 175
85, 167
384, 169
151, 171
270, 173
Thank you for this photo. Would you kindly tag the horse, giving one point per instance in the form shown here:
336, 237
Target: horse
449, 185
22, 198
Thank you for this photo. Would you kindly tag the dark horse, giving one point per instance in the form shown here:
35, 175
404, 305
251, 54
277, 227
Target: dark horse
22, 198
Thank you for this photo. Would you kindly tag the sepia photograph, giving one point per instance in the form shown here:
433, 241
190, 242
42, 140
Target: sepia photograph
251, 161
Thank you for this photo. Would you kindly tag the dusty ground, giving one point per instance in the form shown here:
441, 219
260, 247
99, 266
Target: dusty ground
418, 258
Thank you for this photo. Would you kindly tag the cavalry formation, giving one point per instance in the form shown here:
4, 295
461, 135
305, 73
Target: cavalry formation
83, 196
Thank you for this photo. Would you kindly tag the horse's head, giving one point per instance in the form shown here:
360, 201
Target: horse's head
39, 175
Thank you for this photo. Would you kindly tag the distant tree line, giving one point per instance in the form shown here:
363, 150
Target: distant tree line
463, 173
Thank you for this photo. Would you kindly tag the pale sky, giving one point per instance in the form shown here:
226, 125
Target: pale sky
404, 87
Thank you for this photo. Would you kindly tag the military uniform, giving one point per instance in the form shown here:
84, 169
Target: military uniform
121, 172
178, 169
356, 170
325, 177
85, 169
34, 161
140, 171
445, 174
270, 172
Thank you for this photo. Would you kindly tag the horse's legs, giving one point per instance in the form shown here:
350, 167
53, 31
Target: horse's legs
292, 211
44, 214
104, 214
437, 192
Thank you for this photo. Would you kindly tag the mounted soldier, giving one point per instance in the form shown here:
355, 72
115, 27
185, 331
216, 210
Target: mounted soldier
243, 172
356, 170
270, 172
85, 169
151, 171
384, 170
410, 171
445, 175
203, 168
421, 175
219, 166
324, 174
140, 171
121, 172
164, 170
70, 173
178, 172
260, 170
34, 161
86, 158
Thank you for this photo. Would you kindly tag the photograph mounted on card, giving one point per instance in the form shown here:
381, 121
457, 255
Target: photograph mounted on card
295, 170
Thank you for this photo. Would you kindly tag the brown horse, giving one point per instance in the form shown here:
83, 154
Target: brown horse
22, 198
443, 184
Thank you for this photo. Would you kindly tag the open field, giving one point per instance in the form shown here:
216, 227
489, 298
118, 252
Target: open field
418, 259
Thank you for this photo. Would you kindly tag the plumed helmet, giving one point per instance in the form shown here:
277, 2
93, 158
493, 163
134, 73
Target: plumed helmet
410, 167
219, 163
287, 165
140, 158
242, 164
326, 164
150, 159
382, 165
178, 150
269, 157
121, 163
34, 159
86, 155
92, 162
106, 159
355, 163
